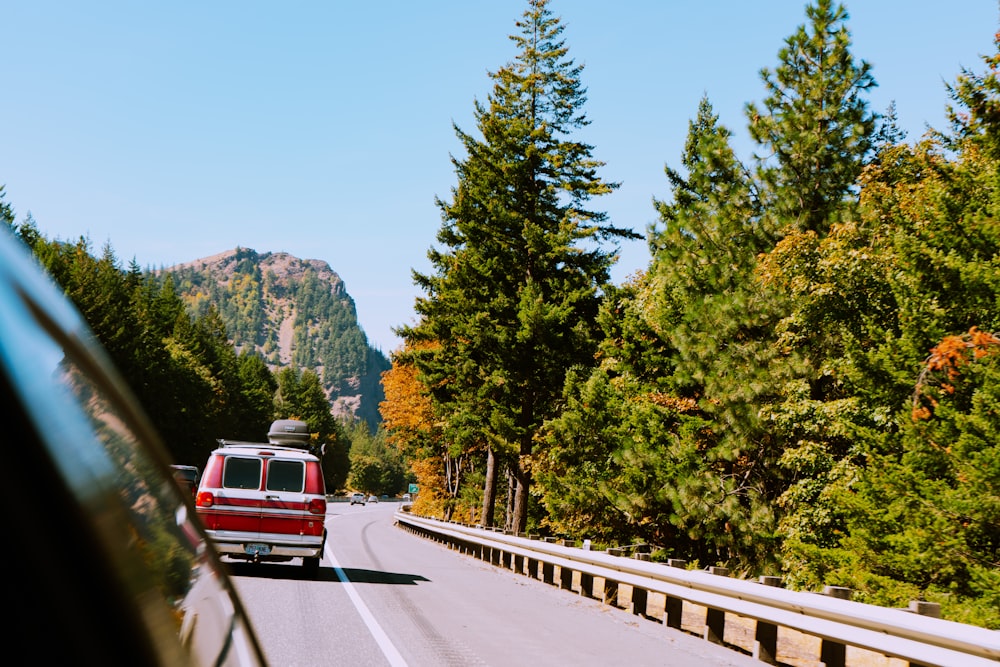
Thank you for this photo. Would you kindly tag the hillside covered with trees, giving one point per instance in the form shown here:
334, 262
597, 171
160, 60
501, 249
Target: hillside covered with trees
294, 313
197, 385
804, 382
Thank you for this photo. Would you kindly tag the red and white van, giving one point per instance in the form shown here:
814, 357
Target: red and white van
266, 501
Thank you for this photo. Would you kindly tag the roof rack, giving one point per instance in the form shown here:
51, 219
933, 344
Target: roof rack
270, 446
288, 434
241, 443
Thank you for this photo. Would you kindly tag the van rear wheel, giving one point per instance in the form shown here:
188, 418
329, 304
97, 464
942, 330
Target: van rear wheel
311, 566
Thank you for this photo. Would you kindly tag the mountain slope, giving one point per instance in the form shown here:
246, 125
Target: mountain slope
294, 313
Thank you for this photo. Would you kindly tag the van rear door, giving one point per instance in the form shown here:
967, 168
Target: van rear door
235, 481
291, 498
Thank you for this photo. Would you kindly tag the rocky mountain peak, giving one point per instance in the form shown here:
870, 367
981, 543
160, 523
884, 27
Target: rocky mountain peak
294, 313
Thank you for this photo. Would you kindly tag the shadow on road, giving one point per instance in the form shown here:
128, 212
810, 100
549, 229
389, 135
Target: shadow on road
295, 571
357, 576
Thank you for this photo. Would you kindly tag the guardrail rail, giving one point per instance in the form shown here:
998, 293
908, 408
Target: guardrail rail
907, 634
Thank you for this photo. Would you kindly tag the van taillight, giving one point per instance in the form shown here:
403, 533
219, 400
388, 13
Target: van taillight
206, 499
317, 506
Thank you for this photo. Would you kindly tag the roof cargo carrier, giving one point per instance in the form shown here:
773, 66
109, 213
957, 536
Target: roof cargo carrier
284, 433
289, 433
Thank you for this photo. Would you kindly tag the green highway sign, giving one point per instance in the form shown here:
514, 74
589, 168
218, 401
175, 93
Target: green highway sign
413, 488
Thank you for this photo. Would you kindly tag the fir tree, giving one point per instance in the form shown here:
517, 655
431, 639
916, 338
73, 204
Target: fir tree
6, 211
714, 466
815, 123
514, 295
300, 396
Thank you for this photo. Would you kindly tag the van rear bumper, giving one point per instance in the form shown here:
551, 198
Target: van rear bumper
306, 546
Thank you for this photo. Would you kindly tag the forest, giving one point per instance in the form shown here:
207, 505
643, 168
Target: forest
804, 380
190, 374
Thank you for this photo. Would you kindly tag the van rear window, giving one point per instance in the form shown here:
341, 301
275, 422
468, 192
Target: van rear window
241, 473
285, 475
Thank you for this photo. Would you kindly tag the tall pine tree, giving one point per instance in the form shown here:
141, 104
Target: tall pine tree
514, 295
815, 126
716, 471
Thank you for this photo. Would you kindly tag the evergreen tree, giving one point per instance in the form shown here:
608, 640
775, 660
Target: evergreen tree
815, 123
790, 388
975, 115
888, 134
578, 476
300, 396
258, 386
514, 297
159, 380
715, 466
895, 490
6, 211
376, 466
925, 518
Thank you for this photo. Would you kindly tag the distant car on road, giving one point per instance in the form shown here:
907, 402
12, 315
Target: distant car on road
112, 568
406, 498
373, 499
358, 499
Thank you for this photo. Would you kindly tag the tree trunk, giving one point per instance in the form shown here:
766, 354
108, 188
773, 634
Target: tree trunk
522, 471
508, 517
490, 489
522, 477
453, 482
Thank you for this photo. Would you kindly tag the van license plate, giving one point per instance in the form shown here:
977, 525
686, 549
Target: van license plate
261, 549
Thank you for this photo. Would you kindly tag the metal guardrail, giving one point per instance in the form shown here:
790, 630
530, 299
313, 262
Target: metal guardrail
923, 640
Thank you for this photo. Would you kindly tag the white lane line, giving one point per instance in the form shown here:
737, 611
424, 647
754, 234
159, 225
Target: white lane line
388, 649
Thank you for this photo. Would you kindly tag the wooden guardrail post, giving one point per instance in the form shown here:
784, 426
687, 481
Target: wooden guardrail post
831, 653
765, 646
640, 596
923, 608
565, 573
586, 579
586, 585
518, 559
673, 608
548, 569
610, 593
715, 619
565, 578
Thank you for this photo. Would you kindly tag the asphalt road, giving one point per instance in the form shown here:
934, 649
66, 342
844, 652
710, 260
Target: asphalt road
386, 597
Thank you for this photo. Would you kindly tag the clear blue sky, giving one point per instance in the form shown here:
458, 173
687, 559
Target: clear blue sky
175, 131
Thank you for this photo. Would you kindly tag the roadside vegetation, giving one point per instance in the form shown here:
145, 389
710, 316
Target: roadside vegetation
803, 382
